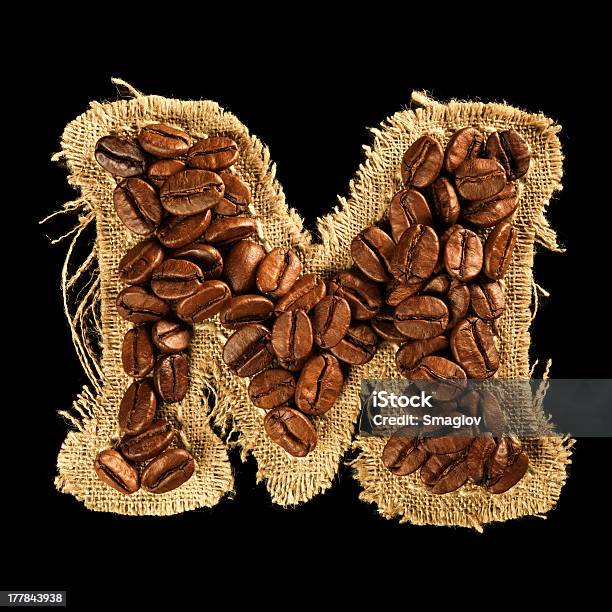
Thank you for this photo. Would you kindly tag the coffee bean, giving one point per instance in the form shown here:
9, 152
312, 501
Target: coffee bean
137, 353
408, 207
278, 271
445, 201
305, 294
171, 377
236, 197
170, 470
272, 388
511, 150
478, 458
489, 212
119, 156
358, 345
397, 292
504, 455
458, 302
492, 415
215, 153
137, 408
162, 169
116, 472
291, 430
170, 336
207, 258
464, 144
137, 205
362, 294
206, 303
372, 251
244, 309
292, 336
137, 305
469, 403
319, 384
383, 324
409, 355
416, 255
498, 250
178, 231
487, 299
176, 279
227, 230
248, 350
241, 265
422, 162
511, 476
478, 179
402, 454
474, 349
450, 378
444, 473
190, 192
463, 254
148, 444
421, 317
138, 264
163, 140
438, 284
330, 320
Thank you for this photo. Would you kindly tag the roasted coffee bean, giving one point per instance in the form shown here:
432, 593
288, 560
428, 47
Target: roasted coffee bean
137, 305
240, 267
372, 251
207, 302
138, 264
227, 230
487, 299
178, 231
450, 378
215, 153
464, 144
176, 279
137, 353
478, 458
358, 345
244, 309
148, 444
305, 294
438, 284
416, 255
504, 455
162, 140
410, 354
469, 403
478, 179
489, 212
498, 250
384, 325
292, 337
330, 320
137, 408
511, 476
445, 201
293, 366
171, 377
397, 292
116, 472
511, 150
120, 157
445, 445
319, 385
458, 301
402, 454
170, 336
474, 348
137, 205
492, 415
362, 294
248, 350
444, 473
422, 162
161, 170
421, 317
236, 197
278, 271
291, 430
168, 471
272, 388
207, 258
463, 254
190, 192
408, 207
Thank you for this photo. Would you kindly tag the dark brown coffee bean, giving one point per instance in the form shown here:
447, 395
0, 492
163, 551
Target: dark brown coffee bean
190, 192
498, 250
291, 430
416, 255
319, 385
487, 299
305, 294
384, 325
207, 258
292, 337
445, 201
207, 302
170, 336
469, 403
489, 212
176, 279
478, 458
137, 408
138, 264
463, 254
116, 472
168, 471
137, 305
478, 179
408, 207
244, 309
438, 284
458, 301
171, 377
474, 348
504, 455
162, 169
363, 296
372, 251
215, 153
330, 320
137, 353
450, 378
248, 350
272, 388
227, 230
162, 140
465, 143
120, 157
444, 473
511, 150
410, 354
445, 445
511, 476
397, 292
137, 205
422, 162
278, 271
421, 317
241, 265
358, 345
148, 444
236, 197
493, 418
402, 454
178, 231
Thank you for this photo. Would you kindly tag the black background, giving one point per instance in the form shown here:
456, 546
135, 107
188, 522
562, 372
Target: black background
310, 98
